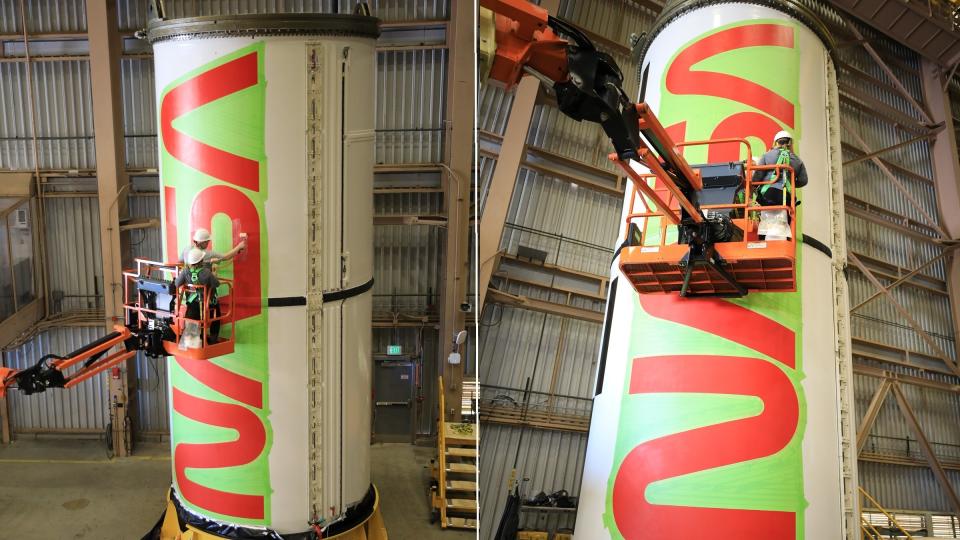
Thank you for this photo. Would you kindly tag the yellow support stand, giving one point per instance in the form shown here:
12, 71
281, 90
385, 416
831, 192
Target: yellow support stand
371, 529
869, 529
487, 48
454, 496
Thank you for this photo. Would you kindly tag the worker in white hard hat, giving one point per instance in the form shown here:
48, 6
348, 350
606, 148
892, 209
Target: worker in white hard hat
201, 241
775, 224
780, 154
198, 273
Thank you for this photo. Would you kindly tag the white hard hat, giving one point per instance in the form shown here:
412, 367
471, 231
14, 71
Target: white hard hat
201, 235
195, 256
781, 135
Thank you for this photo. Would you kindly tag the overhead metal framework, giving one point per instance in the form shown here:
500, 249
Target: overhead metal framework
912, 23
890, 382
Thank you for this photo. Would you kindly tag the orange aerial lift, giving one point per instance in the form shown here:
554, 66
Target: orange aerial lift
524, 38
154, 322
697, 232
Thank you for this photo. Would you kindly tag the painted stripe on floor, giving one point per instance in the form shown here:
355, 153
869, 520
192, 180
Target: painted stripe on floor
82, 461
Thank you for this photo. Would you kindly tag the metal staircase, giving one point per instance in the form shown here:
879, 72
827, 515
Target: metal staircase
454, 492
871, 532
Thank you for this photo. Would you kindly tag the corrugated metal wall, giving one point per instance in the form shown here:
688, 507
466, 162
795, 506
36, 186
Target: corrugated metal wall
518, 344
139, 112
64, 115
15, 150
145, 203
410, 105
73, 237
82, 409
576, 228
74, 265
387, 10
573, 225
895, 253
153, 406
408, 279
551, 460
410, 132
864, 181
44, 16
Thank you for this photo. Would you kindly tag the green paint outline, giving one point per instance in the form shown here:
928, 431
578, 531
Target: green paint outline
777, 480
250, 357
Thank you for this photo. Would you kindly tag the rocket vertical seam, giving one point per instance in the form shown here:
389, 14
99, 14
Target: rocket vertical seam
343, 260
315, 62
605, 340
847, 417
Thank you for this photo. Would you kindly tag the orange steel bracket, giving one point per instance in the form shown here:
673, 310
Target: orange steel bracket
524, 39
640, 184
654, 132
651, 128
9, 376
123, 333
6, 379
652, 163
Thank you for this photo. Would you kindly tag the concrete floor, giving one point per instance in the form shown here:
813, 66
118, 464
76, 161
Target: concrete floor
402, 474
67, 489
62, 489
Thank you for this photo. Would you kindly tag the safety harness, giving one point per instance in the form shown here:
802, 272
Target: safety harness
194, 294
782, 159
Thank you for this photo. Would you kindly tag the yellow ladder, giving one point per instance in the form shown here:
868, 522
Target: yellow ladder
869, 531
455, 471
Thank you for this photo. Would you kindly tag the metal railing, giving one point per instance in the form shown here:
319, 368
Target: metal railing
870, 530
748, 208
906, 447
544, 410
136, 305
560, 250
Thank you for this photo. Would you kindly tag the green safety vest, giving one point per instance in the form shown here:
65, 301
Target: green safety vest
194, 295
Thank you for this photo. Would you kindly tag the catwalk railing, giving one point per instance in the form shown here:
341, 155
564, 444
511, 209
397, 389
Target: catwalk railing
541, 410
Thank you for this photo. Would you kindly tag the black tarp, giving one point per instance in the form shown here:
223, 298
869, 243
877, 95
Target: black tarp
510, 521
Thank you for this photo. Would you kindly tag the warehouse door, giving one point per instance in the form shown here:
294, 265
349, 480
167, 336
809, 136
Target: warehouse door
393, 391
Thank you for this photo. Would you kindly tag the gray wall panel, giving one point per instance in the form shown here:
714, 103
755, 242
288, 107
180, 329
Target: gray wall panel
410, 105
79, 409
551, 460
387, 10
73, 254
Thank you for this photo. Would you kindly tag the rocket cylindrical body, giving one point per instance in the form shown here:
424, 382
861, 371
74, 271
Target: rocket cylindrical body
723, 416
267, 129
